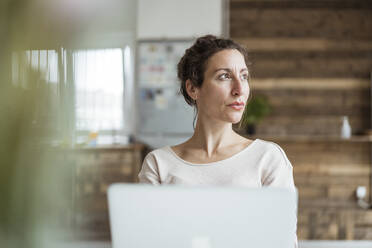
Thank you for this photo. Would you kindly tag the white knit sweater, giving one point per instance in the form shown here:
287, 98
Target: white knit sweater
262, 163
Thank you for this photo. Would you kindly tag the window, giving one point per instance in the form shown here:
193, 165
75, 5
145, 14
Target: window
99, 90
91, 96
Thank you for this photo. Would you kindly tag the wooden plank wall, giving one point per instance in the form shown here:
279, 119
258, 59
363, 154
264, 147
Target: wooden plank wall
311, 44
313, 60
306, 107
326, 174
93, 170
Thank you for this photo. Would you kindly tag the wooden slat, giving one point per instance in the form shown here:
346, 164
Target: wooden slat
325, 203
269, 65
313, 158
328, 157
313, 139
333, 170
275, 44
363, 233
302, 232
316, 111
327, 4
308, 125
353, 102
363, 218
300, 22
309, 83
322, 180
344, 192
312, 192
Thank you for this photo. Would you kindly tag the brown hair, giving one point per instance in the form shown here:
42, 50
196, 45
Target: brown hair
192, 65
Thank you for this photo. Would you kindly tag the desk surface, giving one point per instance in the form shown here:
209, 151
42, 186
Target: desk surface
301, 244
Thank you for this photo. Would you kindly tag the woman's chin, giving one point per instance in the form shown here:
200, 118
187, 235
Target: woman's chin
235, 120
231, 118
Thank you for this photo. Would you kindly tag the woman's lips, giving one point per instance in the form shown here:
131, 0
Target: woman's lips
236, 107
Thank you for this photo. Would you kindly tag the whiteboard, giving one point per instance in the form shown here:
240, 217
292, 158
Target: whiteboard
161, 108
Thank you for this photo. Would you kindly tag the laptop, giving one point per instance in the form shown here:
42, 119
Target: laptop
178, 216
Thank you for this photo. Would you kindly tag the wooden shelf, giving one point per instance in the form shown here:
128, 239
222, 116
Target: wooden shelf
306, 138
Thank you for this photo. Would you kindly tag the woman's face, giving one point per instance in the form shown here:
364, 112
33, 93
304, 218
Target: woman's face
225, 88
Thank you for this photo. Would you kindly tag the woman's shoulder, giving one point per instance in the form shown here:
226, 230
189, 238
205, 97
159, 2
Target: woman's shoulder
274, 150
269, 145
160, 152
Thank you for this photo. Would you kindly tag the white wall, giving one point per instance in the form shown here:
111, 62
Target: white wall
179, 19
50, 23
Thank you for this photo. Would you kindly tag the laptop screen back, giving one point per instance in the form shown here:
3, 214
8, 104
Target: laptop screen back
143, 216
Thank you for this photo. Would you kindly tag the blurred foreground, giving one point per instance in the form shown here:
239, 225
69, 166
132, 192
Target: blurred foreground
33, 180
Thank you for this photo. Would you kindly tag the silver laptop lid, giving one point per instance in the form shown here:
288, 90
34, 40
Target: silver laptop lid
143, 216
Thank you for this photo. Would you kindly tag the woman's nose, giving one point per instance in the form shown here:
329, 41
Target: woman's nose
237, 87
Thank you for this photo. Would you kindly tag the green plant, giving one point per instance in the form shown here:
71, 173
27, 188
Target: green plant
256, 109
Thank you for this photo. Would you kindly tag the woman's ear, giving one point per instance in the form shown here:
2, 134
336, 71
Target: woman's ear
191, 90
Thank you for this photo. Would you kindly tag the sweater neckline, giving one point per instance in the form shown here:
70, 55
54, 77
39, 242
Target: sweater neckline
216, 162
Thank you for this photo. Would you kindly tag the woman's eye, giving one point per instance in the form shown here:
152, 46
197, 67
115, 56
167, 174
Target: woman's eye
244, 77
224, 76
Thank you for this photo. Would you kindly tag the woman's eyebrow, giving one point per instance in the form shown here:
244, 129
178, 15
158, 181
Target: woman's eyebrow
222, 69
227, 69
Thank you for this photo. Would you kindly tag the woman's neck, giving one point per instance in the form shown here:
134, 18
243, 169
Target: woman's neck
211, 138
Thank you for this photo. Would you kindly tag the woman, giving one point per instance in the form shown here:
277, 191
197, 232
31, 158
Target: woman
215, 80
